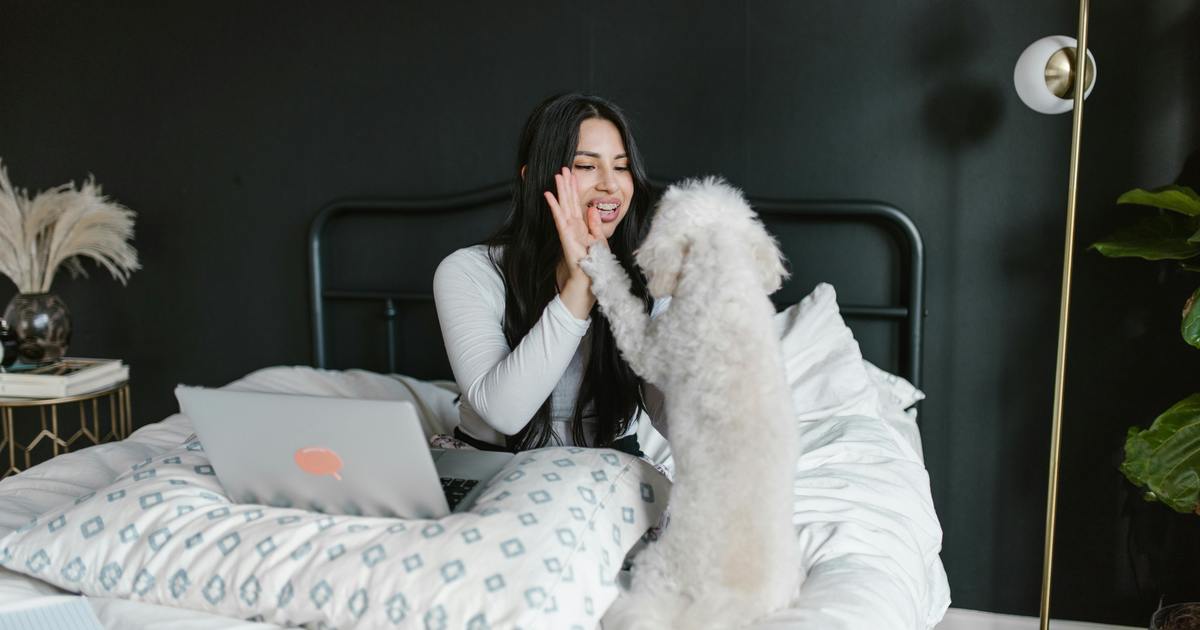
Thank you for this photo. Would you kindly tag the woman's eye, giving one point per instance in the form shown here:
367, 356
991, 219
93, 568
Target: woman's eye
622, 168
585, 167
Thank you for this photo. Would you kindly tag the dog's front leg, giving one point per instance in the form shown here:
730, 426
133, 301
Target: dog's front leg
625, 313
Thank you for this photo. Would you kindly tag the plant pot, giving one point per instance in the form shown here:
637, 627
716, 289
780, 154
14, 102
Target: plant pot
1185, 616
42, 325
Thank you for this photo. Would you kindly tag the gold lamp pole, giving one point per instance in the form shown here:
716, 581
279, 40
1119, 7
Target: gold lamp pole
1060, 365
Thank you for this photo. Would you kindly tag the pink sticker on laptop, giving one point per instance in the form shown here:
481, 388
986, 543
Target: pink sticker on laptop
317, 460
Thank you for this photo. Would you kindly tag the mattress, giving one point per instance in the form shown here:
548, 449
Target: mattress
863, 513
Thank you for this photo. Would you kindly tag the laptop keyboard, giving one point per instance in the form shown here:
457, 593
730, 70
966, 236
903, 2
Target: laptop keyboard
456, 489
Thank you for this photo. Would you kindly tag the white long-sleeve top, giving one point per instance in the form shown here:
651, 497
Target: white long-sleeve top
503, 387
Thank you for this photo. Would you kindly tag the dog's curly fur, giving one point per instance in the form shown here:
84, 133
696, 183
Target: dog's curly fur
728, 556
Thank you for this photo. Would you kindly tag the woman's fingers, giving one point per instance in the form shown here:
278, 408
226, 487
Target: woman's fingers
578, 226
593, 223
555, 210
573, 192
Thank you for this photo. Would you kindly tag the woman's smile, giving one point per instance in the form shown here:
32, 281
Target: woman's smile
608, 206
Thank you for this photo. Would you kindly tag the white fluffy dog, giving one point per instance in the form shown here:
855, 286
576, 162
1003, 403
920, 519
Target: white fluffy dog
728, 556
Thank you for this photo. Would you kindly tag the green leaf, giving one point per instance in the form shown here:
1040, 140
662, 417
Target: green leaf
1165, 459
1160, 237
1190, 328
1179, 199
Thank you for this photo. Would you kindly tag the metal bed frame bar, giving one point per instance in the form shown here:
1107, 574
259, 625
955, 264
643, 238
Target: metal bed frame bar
910, 312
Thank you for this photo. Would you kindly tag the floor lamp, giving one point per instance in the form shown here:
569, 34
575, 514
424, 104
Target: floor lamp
1045, 74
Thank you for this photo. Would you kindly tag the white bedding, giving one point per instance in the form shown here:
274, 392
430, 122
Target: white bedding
864, 513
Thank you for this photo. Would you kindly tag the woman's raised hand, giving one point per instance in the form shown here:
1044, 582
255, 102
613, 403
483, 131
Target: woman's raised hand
578, 227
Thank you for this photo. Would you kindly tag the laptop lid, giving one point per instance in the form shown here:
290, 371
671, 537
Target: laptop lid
327, 454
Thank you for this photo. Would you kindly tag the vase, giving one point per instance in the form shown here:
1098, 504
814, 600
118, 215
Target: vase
42, 325
1185, 616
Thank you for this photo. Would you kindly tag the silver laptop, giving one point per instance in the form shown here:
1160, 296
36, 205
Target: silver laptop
333, 455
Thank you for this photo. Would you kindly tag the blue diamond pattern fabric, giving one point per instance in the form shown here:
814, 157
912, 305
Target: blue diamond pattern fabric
301, 551
143, 582
358, 603
75, 570
435, 619
165, 532
320, 593
91, 527
285, 594
396, 608
145, 474
512, 547
494, 582
148, 501
265, 547
452, 571
179, 583
214, 590
373, 555
129, 533
109, 575
229, 542
159, 537
250, 590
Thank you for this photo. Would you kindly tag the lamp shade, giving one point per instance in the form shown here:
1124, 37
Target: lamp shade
1045, 71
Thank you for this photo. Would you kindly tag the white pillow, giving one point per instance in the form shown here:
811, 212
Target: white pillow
434, 400
823, 362
894, 390
540, 549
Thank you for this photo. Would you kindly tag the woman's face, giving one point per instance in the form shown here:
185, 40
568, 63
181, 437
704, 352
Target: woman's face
602, 173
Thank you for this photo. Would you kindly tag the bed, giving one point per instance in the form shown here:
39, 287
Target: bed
863, 512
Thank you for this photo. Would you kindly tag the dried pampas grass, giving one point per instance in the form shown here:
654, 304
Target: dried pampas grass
58, 227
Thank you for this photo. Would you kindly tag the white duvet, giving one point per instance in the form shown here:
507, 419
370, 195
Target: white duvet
862, 507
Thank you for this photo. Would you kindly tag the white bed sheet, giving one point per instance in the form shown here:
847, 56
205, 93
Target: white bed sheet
864, 517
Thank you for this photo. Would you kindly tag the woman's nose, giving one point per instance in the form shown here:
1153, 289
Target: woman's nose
607, 181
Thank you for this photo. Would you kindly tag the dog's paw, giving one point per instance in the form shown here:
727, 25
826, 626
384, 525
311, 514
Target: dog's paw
598, 255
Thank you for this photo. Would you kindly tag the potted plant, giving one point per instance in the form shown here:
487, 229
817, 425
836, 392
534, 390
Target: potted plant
1165, 458
55, 228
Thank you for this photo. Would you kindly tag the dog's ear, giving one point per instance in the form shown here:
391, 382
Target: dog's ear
768, 260
662, 259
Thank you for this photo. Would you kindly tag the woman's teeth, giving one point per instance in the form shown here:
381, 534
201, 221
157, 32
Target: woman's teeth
608, 210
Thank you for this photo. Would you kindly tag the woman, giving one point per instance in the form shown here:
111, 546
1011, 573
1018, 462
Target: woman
534, 358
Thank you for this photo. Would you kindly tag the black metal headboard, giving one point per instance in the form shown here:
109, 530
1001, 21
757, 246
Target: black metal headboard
384, 279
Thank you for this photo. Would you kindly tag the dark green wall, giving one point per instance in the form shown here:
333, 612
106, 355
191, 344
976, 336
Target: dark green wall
226, 125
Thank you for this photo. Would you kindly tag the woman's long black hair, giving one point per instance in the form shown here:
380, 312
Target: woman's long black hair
526, 251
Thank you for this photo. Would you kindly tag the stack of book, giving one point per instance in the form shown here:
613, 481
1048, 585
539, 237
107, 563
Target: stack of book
67, 377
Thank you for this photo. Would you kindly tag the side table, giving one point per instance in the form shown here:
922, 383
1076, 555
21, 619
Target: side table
61, 424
